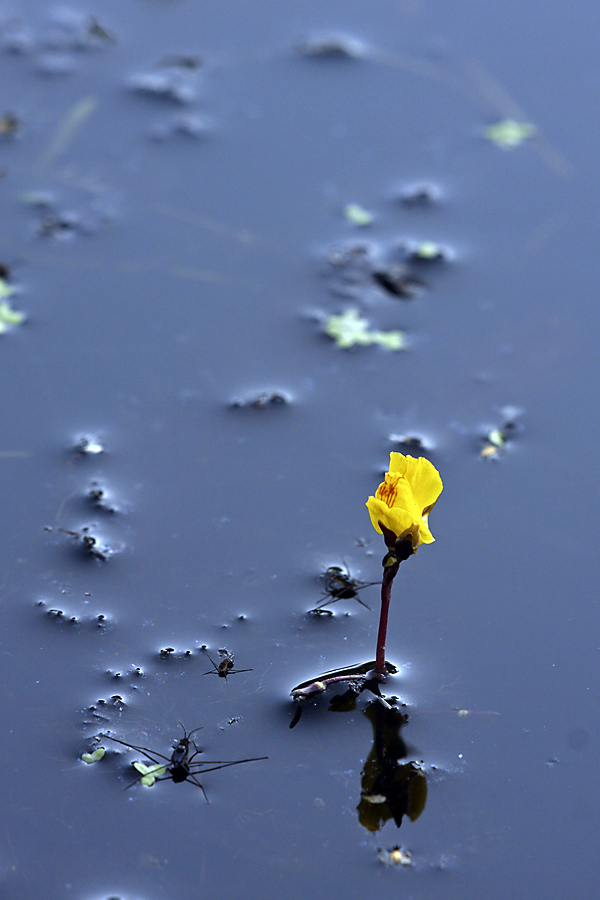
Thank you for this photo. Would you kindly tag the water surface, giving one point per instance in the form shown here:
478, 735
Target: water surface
175, 266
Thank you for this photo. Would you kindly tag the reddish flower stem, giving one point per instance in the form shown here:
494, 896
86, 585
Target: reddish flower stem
389, 573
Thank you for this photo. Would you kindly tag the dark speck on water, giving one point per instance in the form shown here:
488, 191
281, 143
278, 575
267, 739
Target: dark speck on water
185, 464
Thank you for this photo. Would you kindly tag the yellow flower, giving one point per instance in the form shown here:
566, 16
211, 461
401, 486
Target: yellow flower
402, 503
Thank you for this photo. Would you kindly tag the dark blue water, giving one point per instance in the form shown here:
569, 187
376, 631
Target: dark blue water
174, 258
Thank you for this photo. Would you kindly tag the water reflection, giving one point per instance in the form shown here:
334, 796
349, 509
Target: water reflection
389, 789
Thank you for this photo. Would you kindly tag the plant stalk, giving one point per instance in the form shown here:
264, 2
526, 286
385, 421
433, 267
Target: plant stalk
389, 573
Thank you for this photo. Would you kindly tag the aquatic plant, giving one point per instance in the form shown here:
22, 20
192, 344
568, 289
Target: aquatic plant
9, 317
350, 329
400, 512
509, 133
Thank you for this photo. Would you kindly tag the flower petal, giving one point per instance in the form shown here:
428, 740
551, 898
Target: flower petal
405, 498
423, 477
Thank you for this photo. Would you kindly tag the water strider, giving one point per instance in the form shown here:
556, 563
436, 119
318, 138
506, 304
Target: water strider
180, 765
225, 667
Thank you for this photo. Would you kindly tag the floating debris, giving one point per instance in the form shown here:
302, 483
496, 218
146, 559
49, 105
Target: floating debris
350, 330
332, 46
10, 124
97, 33
359, 266
394, 857
509, 133
92, 544
358, 674
87, 445
420, 195
262, 400
497, 439
171, 83
398, 280
172, 653
62, 617
149, 773
414, 443
191, 125
99, 498
62, 225
6, 290
181, 62
9, 317
75, 31
429, 251
97, 755
358, 215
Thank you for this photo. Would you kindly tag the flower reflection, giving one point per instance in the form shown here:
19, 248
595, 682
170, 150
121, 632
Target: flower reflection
389, 789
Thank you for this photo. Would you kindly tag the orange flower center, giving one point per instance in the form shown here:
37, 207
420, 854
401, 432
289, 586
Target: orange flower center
388, 491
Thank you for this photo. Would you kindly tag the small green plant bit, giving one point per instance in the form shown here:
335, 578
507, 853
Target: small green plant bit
350, 330
9, 317
94, 756
509, 133
358, 215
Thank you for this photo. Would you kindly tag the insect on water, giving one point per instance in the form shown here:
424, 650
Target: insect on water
180, 766
339, 584
225, 667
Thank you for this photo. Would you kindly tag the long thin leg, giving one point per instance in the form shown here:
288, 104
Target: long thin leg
336, 599
145, 750
215, 668
194, 755
193, 780
224, 765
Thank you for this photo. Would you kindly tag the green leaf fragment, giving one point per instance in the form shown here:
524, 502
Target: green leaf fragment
9, 317
509, 133
428, 250
93, 757
350, 329
358, 215
391, 340
496, 437
6, 290
149, 773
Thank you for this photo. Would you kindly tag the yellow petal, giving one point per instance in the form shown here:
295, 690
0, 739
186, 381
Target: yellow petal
422, 476
397, 520
405, 498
